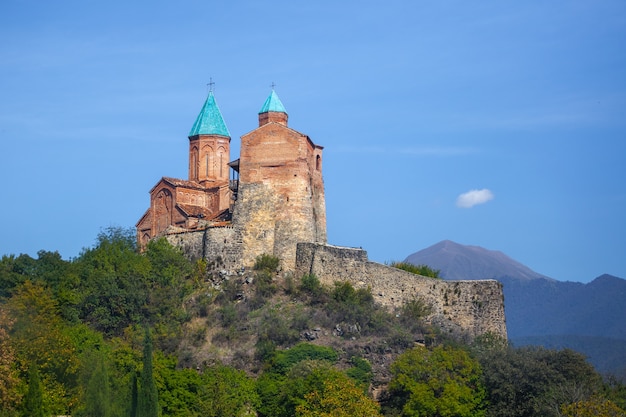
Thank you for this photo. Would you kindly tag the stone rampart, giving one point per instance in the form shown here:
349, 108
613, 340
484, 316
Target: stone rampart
220, 247
463, 308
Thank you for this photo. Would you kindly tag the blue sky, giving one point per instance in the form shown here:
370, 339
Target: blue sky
493, 123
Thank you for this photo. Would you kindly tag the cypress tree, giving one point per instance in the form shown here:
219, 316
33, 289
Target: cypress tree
133, 395
33, 402
148, 401
98, 393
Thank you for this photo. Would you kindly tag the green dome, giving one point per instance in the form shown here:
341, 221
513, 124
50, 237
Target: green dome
273, 103
210, 120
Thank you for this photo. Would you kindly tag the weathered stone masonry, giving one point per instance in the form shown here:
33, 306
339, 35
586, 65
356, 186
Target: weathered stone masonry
464, 308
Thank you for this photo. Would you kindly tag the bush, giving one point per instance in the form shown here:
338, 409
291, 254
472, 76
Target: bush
423, 270
361, 371
286, 359
266, 262
310, 283
264, 283
413, 310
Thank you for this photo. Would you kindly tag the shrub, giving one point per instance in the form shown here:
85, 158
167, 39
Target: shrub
423, 270
413, 310
284, 360
361, 371
266, 262
264, 283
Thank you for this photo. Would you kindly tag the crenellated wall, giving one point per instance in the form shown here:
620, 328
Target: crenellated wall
463, 308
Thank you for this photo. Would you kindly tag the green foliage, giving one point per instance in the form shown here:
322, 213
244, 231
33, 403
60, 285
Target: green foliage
120, 287
277, 326
412, 311
267, 263
79, 323
526, 382
423, 270
264, 286
178, 388
593, 407
443, 381
312, 388
33, 401
355, 311
310, 284
41, 338
226, 391
10, 395
360, 372
147, 398
97, 395
284, 360
337, 397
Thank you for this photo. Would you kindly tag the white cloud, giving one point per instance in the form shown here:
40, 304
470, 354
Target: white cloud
474, 197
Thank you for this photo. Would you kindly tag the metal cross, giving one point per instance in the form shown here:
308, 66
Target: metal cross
210, 84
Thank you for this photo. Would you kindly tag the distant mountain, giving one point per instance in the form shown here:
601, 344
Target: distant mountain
456, 261
537, 307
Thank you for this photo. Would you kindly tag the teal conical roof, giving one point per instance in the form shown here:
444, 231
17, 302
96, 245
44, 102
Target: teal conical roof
273, 103
210, 120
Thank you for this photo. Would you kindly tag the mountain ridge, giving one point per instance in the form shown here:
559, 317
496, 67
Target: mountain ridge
456, 261
537, 307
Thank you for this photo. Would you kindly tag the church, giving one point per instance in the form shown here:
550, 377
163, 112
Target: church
266, 201
270, 200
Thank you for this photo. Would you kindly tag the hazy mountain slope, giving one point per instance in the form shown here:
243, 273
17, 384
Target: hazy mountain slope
456, 261
536, 305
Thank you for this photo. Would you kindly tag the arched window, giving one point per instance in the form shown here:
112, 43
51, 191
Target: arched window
318, 162
193, 164
163, 206
208, 170
222, 163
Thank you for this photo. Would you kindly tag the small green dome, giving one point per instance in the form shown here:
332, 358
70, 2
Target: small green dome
273, 103
210, 120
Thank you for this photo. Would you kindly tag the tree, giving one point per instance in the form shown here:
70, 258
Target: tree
444, 382
9, 379
338, 396
40, 336
134, 394
97, 397
594, 407
227, 391
113, 282
312, 388
532, 381
33, 401
147, 399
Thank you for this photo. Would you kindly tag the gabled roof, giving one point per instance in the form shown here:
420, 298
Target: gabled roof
210, 120
273, 103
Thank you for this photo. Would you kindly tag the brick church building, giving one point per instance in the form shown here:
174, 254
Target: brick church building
266, 201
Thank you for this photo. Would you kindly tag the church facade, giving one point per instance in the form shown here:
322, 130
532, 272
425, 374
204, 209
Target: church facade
264, 202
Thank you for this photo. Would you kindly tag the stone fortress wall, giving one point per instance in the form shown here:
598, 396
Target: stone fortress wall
463, 308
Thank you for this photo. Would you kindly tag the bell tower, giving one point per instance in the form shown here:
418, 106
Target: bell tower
209, 145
